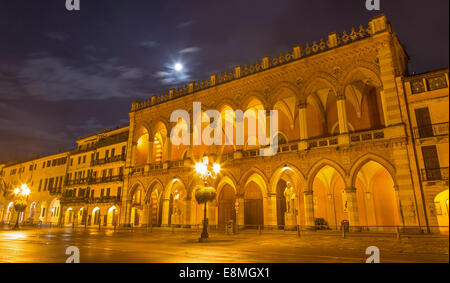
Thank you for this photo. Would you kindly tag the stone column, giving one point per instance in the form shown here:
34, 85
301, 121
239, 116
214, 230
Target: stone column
342, 114
352, 208
405, 188
168, 149
187, 213
303, 123
133, 155
211, 213
150, 151
270, 211
309, 209
389, 95
165, 213
241, 212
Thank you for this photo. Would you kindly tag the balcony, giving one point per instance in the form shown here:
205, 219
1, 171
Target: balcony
428, 82
435, 130
102, 161
91, 181
108, 179
439, 174
83, 200
54, 191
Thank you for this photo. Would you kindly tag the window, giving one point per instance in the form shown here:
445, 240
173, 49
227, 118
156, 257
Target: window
71, 162
84, 159
43, 164
431, 162
108, 192
119, 191
31, 167
40, 185
107, 154
50, 183
110, 172
97, 155
113, 152
424, 122
92, 193
102, 193
79, 159
45, 184
49, 163
123, 150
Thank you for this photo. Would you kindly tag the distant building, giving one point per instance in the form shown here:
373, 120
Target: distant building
359, 140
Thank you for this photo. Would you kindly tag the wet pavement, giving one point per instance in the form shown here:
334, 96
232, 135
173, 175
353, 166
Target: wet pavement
181, 246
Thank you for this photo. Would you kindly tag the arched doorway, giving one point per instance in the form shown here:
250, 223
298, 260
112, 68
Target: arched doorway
377, 201
9, 213
111, 219
227, 211
68, 216
96, 216
253, 206
330, 203
55, 211
136, 207
441, 204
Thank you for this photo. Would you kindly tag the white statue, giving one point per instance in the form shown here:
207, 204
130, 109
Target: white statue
290, 196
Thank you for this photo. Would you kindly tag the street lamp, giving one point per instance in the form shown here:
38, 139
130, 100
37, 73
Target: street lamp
206, 193
20, 204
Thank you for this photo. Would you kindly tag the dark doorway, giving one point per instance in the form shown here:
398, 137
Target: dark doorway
281, 204
253, 206
227, 212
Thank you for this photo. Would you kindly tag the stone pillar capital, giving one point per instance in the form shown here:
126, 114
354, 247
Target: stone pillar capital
302, 105
308, 193
350, 190
340, 97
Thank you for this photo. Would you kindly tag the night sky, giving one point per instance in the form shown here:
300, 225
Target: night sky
69, 74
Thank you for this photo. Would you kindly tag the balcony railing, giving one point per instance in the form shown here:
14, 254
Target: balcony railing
434, 130
90, 181
438, 174
83, 199
55, 191
108, 160
424, 83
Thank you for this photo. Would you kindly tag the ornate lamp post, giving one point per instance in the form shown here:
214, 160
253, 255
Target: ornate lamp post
206, 193
20, 204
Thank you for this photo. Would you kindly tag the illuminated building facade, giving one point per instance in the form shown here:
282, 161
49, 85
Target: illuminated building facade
355, 143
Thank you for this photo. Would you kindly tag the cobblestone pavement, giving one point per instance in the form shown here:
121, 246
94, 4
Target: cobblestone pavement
165, 246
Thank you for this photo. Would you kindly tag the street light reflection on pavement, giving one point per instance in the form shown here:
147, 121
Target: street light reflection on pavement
14, 235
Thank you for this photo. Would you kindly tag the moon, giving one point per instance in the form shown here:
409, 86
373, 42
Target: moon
178, 67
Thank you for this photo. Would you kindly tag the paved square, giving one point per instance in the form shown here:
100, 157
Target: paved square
165, 246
